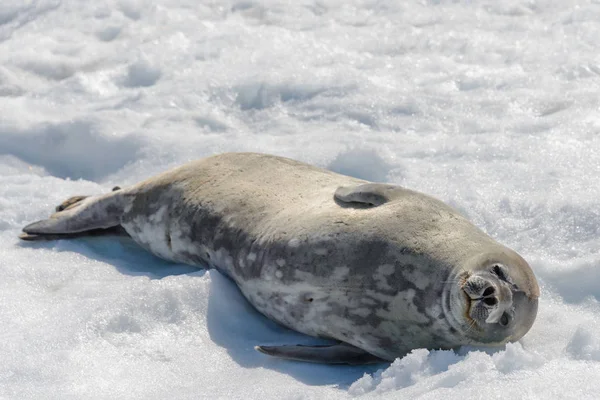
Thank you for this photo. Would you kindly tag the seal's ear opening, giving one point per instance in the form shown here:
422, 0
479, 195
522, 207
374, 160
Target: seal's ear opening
368, 194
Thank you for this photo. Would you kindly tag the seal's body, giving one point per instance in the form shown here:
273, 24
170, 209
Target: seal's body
380, 268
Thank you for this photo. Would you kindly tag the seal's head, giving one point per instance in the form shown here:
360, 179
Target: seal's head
497, 299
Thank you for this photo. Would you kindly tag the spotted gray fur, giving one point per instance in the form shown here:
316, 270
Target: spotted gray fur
379, 267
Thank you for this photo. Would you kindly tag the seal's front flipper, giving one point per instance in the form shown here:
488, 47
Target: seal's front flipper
82, 216
341, 353
370, 194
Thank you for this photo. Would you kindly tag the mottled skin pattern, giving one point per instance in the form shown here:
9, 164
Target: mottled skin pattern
386, 278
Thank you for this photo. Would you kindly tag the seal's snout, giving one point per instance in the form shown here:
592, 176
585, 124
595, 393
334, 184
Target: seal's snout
491, 299
498, 305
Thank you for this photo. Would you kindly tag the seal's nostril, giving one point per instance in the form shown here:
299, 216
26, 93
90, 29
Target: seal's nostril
490, 301
504, 320
488, 291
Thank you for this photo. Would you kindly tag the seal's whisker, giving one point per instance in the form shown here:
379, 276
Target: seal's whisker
452, 281
460, 279
471, 326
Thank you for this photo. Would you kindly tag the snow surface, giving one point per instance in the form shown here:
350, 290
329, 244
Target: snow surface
491, 106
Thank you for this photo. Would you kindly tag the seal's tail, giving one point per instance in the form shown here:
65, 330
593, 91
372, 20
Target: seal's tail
81, 216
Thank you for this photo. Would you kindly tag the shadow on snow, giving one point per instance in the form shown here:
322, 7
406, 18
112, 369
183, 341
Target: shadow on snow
232, 322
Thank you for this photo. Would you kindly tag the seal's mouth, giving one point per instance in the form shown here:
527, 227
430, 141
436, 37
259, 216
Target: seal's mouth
471, 323
466, 323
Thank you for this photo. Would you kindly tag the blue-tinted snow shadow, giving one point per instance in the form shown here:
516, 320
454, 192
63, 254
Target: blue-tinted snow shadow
235, 325
63, 148
575, 284
361, 163
232, 322
121, 252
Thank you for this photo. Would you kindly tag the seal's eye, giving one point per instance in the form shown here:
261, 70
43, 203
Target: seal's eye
499, 271
504, 319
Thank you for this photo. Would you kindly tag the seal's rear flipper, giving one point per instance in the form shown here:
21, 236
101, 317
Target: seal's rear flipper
70, 203
114, 231
341, 353
83, 216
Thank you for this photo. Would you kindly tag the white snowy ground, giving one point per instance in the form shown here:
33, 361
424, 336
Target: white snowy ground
491, 106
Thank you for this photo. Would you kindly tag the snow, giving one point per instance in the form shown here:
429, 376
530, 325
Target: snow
490, 106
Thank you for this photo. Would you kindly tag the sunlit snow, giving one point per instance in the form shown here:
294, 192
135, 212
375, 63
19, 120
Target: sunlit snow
492, 106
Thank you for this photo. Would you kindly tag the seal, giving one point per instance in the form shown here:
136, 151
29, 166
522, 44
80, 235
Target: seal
379, 268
